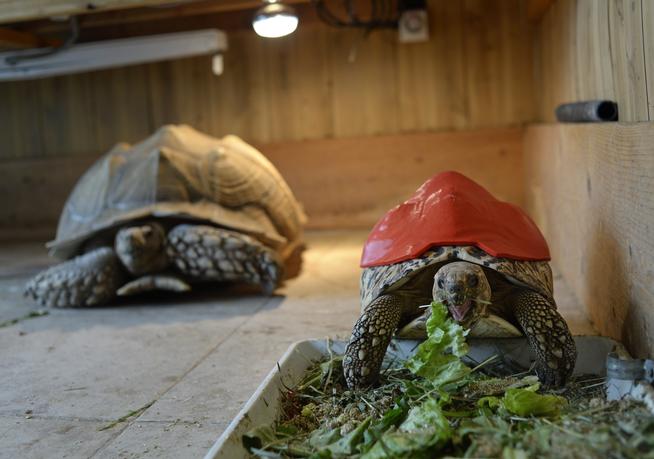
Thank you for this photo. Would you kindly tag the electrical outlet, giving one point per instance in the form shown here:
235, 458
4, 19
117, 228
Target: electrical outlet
413, 26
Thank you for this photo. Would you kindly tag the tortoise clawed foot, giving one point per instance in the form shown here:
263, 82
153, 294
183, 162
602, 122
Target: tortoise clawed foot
370, 337
548, 336
557, 364
270, 270
88, 280
550, 378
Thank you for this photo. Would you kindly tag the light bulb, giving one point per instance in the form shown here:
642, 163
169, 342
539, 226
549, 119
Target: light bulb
275, 20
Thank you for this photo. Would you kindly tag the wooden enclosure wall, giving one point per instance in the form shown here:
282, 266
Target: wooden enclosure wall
361, 178
597, 49
343, 183
475, 72
589, 188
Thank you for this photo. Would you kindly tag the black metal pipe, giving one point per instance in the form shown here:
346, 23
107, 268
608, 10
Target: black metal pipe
587, 111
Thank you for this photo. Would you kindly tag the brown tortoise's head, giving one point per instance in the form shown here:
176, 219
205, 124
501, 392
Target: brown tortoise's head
464, 289
142, 248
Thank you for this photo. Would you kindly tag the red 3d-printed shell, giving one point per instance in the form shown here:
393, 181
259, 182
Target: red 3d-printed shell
451, 209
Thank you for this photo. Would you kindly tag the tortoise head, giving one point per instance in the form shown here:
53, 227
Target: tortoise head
142, 249
464, 289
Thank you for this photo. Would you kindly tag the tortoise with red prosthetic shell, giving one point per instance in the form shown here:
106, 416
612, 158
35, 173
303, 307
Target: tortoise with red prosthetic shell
484, 259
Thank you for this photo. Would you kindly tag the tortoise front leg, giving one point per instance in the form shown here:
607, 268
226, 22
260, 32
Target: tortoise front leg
87, 280
208, 253
548, 336
370, 337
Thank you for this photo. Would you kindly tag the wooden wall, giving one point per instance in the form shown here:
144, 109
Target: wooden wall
475, 72
589, 188
343, 183
360, 178
597, 49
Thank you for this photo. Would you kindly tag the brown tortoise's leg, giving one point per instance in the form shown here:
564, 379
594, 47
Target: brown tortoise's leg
87, 280
548, 336
214, 254
370, 337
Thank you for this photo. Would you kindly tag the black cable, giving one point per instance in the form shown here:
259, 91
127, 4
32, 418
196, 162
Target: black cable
382, 15
44, 52
326, 15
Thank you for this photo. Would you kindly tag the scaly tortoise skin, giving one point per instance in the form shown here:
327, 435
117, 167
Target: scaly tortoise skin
494, 297
178, 207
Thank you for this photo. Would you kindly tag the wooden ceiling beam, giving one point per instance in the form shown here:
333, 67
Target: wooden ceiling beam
149, 16
199, 8
25, 10
100, 13
14, 39
536, 9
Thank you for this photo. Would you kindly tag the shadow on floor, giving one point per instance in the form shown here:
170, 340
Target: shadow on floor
204, 302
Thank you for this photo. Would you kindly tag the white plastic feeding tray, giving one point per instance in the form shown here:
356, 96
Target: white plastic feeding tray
263, 406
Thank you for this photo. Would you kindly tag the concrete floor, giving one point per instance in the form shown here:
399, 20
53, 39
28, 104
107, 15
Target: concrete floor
192, 360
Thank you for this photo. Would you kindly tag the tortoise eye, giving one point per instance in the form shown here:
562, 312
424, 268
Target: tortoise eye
473, 281
440, 283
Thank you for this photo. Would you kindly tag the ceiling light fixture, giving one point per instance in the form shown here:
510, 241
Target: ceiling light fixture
274, 20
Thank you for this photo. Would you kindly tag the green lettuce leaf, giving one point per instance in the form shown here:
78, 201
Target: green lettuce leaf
526, 402
392, 418
323, 437
424, 430
347, 445
437, 359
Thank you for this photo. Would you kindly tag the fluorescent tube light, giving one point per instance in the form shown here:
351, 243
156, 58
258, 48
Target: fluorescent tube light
113, 53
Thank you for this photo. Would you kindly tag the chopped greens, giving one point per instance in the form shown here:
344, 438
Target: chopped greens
433, 405
30, 315
438, 359
526, 402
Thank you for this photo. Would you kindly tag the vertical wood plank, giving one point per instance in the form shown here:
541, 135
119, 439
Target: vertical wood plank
120, 101
20, 124
498, 63
67, 111
648, 45
365, 89
482, 63
161, 98
557, 51
627, 55
517, 61
431, 76
190, 87
298, 85
594, 71
228, 96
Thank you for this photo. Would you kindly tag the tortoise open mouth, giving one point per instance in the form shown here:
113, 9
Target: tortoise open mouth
459, 311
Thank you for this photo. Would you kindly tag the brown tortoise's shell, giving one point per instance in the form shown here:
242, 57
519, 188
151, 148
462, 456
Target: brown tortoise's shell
380, 280
181, 173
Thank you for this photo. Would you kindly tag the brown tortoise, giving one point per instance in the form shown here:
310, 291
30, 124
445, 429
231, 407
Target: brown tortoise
178, 207
484, 259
